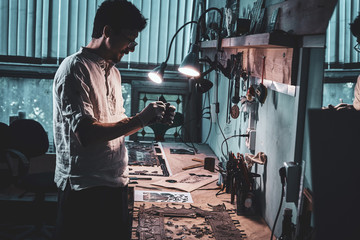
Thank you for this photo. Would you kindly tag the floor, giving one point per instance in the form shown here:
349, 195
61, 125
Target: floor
18, 214
18, 217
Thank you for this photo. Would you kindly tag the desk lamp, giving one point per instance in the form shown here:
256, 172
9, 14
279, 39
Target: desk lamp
190, 66
156, 75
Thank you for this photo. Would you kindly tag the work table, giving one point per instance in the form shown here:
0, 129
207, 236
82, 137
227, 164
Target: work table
253, 226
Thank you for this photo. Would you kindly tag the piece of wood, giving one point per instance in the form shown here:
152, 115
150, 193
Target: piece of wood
260, 40
198, 160
193, 166
201, 164
278, 64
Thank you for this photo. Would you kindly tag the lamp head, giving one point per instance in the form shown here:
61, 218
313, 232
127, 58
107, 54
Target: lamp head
190, 66
157, 74
203, 85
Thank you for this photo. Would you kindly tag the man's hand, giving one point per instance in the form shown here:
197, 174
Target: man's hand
154, 112
340, 107
169, 114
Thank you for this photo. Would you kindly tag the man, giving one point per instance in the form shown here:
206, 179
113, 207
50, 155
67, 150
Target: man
90, 125
355, 30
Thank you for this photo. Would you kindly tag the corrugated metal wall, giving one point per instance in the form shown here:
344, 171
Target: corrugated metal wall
340, 42
58, 28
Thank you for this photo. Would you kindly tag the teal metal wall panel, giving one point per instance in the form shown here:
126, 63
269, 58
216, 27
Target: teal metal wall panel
44, 18
4, 18
340, 42
57, 28
12, 28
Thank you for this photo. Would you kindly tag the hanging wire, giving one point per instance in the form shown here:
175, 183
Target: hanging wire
238, 135
222, 133
208, 94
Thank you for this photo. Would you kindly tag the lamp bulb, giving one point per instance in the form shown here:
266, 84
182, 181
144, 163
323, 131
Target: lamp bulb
155, 77
191, 72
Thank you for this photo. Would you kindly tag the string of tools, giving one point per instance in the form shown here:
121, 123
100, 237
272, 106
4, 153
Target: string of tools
239, 181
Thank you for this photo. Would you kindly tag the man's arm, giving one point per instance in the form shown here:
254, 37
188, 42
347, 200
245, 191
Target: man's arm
91, 132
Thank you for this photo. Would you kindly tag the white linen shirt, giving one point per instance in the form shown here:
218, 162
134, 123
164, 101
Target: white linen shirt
83, 89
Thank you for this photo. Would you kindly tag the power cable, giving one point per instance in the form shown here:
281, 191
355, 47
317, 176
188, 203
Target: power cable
207, 138
282, 173
238, 135
227, 146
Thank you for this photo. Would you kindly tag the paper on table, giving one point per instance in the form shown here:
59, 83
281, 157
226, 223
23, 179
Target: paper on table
157, 196
188, 180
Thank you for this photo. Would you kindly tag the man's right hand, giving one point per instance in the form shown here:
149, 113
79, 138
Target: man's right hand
151, 113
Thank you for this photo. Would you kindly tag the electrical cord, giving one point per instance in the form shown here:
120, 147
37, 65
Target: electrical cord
222, 133
186, 123
208, 94
238, 135
228, 108
282, 173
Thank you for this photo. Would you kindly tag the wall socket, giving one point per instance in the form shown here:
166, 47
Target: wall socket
293, 174
250, 140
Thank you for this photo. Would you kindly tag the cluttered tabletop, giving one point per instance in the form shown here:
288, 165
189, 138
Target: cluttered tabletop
179, 194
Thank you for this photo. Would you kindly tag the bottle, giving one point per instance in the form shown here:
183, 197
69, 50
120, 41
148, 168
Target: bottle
287, 225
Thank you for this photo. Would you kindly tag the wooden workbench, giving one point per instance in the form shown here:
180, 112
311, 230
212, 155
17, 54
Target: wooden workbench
254, 227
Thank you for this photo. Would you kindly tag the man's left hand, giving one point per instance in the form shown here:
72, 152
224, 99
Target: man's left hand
168, 117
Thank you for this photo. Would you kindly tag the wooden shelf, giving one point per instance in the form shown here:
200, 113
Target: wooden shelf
262, 40
278, 48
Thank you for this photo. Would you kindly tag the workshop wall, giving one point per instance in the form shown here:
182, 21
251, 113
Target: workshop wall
280, 124
281, 130
275, 136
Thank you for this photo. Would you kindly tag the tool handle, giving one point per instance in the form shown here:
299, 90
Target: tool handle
263, 70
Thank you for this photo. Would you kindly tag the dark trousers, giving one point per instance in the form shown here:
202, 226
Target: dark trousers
94, 213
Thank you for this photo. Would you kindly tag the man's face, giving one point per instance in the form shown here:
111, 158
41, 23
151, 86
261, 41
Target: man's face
121, 43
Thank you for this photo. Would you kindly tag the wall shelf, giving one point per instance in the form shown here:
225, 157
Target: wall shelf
261, 40
277, 47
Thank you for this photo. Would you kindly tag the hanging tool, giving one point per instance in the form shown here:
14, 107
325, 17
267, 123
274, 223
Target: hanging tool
261, 90
238, 71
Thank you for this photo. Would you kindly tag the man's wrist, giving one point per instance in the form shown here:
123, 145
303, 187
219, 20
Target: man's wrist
141, 121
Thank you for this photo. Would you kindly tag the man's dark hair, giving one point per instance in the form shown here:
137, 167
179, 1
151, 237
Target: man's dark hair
118, 15
355, 26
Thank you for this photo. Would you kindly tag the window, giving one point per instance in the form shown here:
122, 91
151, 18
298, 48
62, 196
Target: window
174, 99
334, 93
32, 98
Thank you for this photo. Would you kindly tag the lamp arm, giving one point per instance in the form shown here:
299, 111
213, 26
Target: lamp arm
207, 72
215, 65
219, 29
224, 70
173, 38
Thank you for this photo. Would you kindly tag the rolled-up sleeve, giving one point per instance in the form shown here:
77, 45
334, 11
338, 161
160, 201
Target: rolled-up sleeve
74, 96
